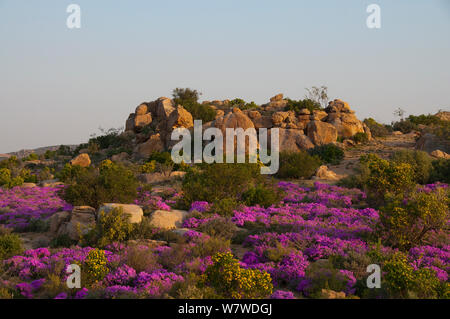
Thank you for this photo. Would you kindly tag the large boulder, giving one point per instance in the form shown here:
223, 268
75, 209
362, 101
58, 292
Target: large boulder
81, 221
324, 173
129, 124
321, 133
343, 118
134, 211
140, 121
430, 142
154, 144
235, 119
278, 97
180, 117
440, 154
167, 219
347, 124
141, 109
82, 160
291, 140
164, 107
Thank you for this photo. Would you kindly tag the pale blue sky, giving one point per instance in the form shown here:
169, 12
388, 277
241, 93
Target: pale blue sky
57, 86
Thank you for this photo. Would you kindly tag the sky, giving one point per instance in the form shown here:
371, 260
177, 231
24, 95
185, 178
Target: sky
59, 85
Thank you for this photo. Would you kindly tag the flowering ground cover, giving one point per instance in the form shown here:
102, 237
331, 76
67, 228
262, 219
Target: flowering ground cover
315, 238
20, 205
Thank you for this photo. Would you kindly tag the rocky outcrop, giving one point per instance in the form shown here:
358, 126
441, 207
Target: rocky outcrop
343, 118
443, 115
82, 160
298, 131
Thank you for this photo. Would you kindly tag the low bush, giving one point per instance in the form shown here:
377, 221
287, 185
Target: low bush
223, 185
7, 181
377, 129
420, 162
230, 280
262, 195
297, 106
10, 245
297, 165
383, 176
329, 154
241, 104
406, 221
93, 187
404, 281
219, 227
113, 226
440, 171
360, 138
404, 126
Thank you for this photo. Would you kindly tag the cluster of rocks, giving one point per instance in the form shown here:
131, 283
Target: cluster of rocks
297, 131
81, 219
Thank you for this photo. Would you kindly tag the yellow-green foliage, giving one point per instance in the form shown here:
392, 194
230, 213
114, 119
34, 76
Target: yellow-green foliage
111, 227
148, 167
96, 265
408, 221
231, 281
6, 179
10, 245
405, 281
387, 176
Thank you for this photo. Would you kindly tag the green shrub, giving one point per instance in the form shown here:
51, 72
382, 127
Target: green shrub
297, 165
406, 222
110, 183
221, 184
382, 176
10, 245
109, 138
225, 206
322, 275
420, 162
113, 226
440, 171
219, 227
376, 129
200, 111
360, 138
62, 241
299, 105
188, 98
231, 281
404, 281
148, 167
210, 246
329, 154
240, 103
7, 181
404, 126
31, 157
262, 195
424, 119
